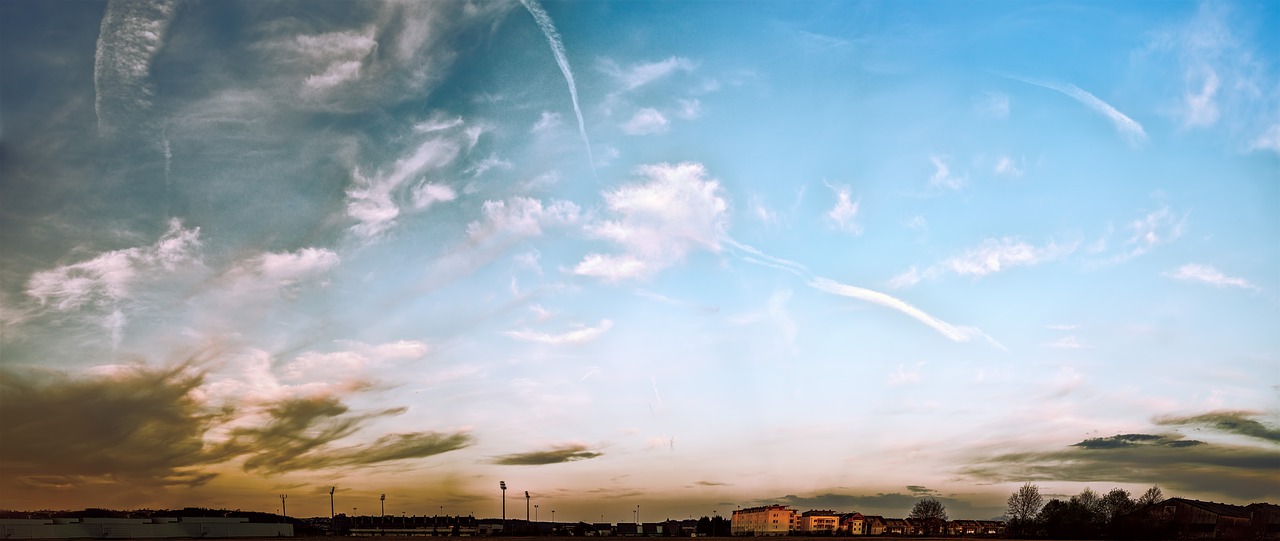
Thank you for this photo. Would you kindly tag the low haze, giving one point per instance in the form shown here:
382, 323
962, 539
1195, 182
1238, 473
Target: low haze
685, 256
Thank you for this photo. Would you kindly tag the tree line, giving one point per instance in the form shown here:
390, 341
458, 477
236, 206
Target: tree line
1087, 514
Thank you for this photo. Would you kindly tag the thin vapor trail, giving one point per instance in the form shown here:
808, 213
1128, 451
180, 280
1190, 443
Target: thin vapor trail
557, 49
131, 35
1127, 127
827, 285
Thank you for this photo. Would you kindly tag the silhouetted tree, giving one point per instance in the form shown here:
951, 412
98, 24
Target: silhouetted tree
1152, 495
1116, 503
931, 514
1023, 507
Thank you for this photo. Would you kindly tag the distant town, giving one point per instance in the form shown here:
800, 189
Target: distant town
1088, 515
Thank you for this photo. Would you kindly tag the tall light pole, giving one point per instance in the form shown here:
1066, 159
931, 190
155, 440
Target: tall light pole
285, 509
526, 506
383, 518
535, 512
503, 485
332, 527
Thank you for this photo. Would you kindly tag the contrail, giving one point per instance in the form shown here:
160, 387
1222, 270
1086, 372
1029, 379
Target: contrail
1128, 127
131, 35
557, 48
827, 285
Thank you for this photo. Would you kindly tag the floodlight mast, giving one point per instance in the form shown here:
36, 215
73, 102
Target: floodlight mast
383, 518
332, 517
503, 486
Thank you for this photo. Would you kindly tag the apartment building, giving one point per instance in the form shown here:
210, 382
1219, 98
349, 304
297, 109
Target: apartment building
763, 520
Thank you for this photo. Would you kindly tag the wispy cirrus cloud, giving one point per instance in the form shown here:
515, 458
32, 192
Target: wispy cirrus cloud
942, 177
637, 75
646, 121
844, 215
581, 335
1068, 342
995, 255
557, 49
1207, 274
1128, 128
558, 454
132, 34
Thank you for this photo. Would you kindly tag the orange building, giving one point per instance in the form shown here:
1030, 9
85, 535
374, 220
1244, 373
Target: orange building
763, 520
817, 521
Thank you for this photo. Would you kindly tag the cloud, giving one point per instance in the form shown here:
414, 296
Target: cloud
995, 255
942, 177
556, 455
1267, 140
280, 273
1128, 128
1068, 342
1193, 272
689, 109
131, 35
110, 276
958, 334
845, 213
340, 55
1170, 460
1229, 421
138, 425
917, 489
1199, 107
638, 75
646, 121
581, 335
992, 104
430, 193
370, 199
521, 217
1006, 166
1157, 227
548, 121
907, 278
300, 432
491, 162
671, 211
557, 49
901, 376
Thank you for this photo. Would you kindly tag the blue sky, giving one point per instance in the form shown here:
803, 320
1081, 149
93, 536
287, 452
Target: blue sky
689, 256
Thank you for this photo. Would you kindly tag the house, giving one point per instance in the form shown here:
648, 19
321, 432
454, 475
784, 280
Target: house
963, 527
897, 526
763, 520
874, 525
1180, 518
852, 524
817, 522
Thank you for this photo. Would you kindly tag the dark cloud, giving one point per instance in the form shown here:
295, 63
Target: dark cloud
1233, 422
917, 489
139, 425
1132, 440
146, 427
556, 455
710, 484
1235, 472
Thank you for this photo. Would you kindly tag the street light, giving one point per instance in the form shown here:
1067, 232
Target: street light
382, 519
332, 527
286, 509
526, 506
535, 512
503, 486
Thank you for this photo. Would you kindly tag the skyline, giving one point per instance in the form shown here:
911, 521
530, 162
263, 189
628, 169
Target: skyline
828, 255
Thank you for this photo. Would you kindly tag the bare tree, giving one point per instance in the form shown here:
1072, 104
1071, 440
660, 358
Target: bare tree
1152, 495
932, 514
1023, 507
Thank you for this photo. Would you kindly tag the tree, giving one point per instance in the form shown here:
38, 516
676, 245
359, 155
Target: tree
1152, 495
1116, 503
931, 514
1023, 507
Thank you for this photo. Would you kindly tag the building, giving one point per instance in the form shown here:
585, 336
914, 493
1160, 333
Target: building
817, 522
1180, 518
68, 528
853, 524
874, 525
763, 520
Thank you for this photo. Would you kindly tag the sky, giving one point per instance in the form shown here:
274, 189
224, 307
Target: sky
685, 256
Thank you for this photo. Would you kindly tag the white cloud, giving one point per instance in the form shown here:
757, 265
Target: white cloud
942, 177
918, 223
690, 109
994, 255
907, 278
546, 122
763, 213
672, 211
521, 216
108, 277
955, 333
1006, 166
369, 199
1068, 342
340, 56
1062, 327
647, 121
130, 36
638, 75
580, 335
845, 213
1207, 274
1157, 227
356, 360
429, 193
607, 156
491, 162
901, 376
1128, 127
992, 104
1267, 140
1199, 108
280, 272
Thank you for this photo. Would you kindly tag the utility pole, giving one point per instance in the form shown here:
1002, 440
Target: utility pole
285, 509
332, 517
